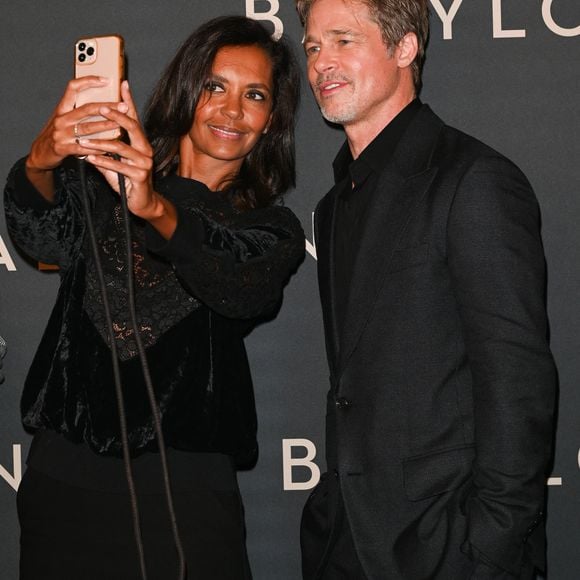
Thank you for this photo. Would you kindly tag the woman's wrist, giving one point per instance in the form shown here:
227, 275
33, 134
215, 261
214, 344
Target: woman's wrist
41, 178
155, 210
162, 216
33, 168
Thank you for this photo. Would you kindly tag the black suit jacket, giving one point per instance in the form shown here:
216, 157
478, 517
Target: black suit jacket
442, 382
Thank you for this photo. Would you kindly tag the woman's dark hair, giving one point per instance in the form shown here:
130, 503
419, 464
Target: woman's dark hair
269, 169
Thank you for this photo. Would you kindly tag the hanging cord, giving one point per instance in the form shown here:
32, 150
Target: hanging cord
148, 382
116, 372
146, 375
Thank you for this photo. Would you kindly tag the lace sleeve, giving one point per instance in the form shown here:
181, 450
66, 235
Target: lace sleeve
237, 267
47, 232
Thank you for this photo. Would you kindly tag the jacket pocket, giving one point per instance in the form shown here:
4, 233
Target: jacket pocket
428, 475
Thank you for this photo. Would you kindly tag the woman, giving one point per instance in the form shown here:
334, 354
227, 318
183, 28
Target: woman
211, 253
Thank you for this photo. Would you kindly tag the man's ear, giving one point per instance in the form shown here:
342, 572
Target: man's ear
407, 50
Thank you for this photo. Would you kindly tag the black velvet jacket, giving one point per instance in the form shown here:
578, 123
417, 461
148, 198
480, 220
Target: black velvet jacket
197, 296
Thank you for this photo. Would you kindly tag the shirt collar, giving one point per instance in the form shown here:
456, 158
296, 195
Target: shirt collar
378, 152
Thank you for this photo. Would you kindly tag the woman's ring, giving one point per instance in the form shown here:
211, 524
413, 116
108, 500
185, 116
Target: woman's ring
76, 132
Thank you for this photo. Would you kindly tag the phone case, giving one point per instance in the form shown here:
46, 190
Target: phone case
100, 56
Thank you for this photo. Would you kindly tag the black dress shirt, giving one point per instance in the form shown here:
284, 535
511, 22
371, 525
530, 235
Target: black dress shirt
355, 184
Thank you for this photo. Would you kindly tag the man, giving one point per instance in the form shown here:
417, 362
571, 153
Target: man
432, 277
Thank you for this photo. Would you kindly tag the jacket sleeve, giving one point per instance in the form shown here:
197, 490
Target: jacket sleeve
239, 269
45, 231
497, 266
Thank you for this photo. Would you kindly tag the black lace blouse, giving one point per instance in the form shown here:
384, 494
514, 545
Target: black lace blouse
197, 296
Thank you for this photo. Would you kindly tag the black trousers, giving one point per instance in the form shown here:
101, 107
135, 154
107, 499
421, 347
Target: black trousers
328, 551
73, 533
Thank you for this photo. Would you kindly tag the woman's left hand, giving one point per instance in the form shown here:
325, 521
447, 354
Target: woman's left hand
135, 159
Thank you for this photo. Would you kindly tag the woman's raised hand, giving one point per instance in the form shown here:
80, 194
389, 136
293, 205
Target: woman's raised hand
60, 137
132, 160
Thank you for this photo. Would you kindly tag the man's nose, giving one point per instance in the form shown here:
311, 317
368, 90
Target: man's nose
325, 60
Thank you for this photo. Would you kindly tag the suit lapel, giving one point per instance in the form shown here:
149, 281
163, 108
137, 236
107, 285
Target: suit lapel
400, 188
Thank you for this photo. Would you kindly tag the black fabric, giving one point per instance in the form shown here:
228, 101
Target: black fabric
72, 533
197, 296
76, 465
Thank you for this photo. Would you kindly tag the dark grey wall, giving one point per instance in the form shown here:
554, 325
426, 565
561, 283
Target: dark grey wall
509, 74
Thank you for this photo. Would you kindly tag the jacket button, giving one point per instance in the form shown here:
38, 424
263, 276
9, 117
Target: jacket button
343, 403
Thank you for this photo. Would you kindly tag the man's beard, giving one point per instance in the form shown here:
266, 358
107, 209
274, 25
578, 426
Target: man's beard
345, 112
345, 115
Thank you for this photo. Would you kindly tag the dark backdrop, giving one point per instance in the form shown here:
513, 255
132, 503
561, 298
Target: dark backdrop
505, 71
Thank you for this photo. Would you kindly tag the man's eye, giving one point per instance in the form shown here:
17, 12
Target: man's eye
311, 50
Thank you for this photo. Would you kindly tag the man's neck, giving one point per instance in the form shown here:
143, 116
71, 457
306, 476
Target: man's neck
364, 131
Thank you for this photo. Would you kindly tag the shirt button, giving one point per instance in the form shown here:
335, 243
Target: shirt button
343, 403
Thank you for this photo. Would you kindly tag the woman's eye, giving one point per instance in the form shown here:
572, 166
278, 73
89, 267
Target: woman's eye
256, 96
213, 87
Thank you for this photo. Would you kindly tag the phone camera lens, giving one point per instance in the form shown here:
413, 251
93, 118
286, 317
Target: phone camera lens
82, 57
82, 46
90, 51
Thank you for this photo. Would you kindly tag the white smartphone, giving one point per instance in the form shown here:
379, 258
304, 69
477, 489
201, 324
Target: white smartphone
101, 56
